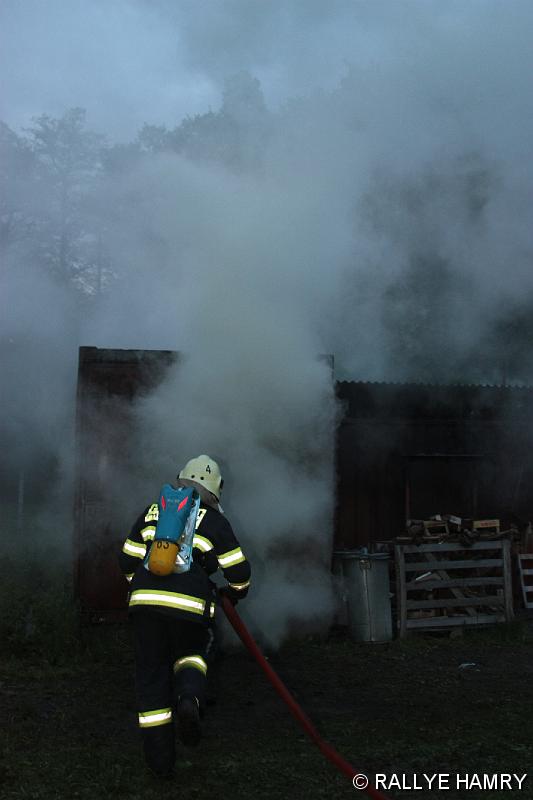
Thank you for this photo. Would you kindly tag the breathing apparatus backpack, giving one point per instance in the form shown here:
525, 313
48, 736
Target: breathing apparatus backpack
171, 549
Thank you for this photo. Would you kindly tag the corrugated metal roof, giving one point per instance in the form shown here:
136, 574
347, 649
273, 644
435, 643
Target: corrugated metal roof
435, 401
439, 385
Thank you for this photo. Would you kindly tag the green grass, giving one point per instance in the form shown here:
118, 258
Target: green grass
69, 720
40, 618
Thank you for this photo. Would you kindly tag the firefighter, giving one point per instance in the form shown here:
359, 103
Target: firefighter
171, 617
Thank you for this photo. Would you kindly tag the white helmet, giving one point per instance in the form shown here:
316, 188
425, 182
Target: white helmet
204, 471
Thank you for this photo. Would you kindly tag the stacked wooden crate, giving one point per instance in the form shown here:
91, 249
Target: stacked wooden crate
525, 568
446, 584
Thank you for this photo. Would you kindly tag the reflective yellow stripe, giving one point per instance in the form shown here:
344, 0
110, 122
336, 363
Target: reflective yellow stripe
212, 610
152, 514
202, 543
148, 719
148, 533
231, 557
197, 662
199, 518
240, 586
134, 549
152, 597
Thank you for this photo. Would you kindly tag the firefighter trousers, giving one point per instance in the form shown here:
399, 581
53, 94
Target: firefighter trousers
170, 662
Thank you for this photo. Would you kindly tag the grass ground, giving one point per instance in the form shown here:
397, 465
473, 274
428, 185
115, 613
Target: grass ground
69, 726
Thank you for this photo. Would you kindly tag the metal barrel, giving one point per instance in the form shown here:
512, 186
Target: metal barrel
365, 578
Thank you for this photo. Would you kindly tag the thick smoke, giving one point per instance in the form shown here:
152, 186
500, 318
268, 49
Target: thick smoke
242, 303
359, 186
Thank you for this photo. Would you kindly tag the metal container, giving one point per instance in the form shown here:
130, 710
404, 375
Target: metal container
108, 383
365, 579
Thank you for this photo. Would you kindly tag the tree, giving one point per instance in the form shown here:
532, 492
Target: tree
505, 352
153, 139
17, 176
420, 317
243, 99
69, 158
431, 222
234, 136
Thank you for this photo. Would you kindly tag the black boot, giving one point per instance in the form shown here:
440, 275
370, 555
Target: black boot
159, 750
189, 727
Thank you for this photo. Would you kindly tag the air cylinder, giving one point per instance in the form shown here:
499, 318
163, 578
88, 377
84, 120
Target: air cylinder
162, 557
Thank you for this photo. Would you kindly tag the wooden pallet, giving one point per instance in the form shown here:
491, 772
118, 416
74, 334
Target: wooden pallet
525, 567
480, 589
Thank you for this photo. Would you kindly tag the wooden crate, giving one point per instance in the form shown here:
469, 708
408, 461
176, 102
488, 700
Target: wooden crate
525, 567
478, 592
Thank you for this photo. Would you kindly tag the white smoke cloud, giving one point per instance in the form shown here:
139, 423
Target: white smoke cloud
235, 294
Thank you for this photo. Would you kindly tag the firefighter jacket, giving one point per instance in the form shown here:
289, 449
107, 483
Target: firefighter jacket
188, 595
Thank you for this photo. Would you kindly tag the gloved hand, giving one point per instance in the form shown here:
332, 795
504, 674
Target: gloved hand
232, 594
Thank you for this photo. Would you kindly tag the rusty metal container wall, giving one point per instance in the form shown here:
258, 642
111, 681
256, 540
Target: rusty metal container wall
108, 383
397, 441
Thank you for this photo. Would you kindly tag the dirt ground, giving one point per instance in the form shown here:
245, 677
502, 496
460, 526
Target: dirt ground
428, 704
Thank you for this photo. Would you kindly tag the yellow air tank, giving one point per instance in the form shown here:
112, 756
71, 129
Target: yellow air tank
162, 557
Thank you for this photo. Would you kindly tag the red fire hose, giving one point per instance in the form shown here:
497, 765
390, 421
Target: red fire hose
296, 710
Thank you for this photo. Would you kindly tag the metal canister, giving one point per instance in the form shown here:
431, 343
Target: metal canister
367, 591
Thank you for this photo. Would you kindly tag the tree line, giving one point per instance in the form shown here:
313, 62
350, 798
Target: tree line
54, 175
54, 171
